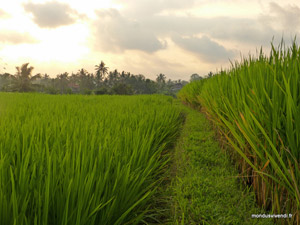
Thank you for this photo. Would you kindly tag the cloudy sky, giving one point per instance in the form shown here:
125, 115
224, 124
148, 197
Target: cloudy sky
174, 37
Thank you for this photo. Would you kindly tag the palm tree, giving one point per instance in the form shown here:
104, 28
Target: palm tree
86, 81
23, 78
161, 78
46, 76
113, 77
101, 70
161, 82
62, 80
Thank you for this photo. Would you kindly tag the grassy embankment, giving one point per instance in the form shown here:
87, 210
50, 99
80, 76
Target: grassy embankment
204, 185
255, 107
76, 160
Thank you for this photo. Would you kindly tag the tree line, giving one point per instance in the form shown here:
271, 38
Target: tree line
102, 81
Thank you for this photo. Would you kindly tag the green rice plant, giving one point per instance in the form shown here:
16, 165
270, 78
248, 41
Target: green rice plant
82, 159
190, 94
256, 106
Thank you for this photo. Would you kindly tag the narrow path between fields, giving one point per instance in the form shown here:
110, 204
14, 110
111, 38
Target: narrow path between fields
204, 186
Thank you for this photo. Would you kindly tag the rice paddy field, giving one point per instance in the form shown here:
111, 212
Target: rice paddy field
255, 107
87, 160
82, 159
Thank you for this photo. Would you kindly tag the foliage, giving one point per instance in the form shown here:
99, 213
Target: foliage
122, 89
83, 82
256, 107
101, 71
23, 77
204, 187
102, 91
82, 159
195, 76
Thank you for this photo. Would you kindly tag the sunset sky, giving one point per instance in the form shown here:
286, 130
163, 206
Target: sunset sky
174, 37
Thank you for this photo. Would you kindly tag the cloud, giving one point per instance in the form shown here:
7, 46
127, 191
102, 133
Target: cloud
146, 7
144, 25
248, 31
13, 37
116, 33
242, 30
3, 14
279, 17
52, 14
254, 31
207, 49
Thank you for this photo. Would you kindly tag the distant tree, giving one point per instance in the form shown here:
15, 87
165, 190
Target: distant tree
194, 77
184, 82
45, 80
169, 82
6, 81
102, 91
113, 77
138, 83
62, 80
74, 82
36, 77
86, 81
161, 78
6, 75
44, 83
161, 83
150, 87
101, 71
122, 89
123, 76
210, 74
36, 83
23, 78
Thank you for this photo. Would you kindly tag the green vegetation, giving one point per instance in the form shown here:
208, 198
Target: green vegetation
78, 159
256, 108
205, 187
83, 82
82, 159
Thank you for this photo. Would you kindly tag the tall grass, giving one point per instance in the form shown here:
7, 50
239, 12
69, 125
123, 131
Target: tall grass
81, 159
256, 107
